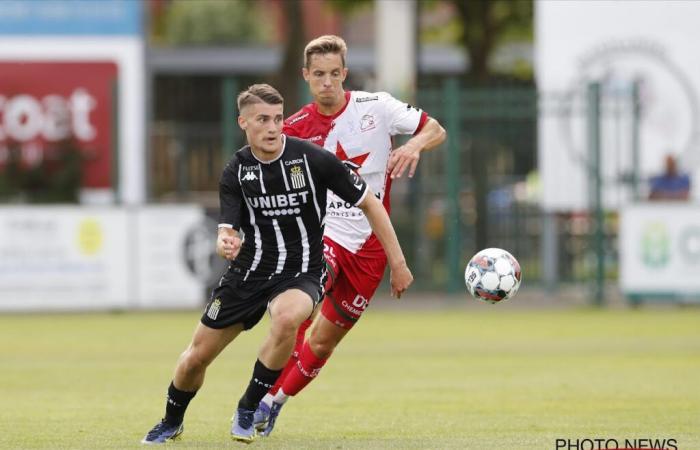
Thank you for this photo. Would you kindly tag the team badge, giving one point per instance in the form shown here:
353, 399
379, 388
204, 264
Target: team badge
297, 177
214, 309
367, 122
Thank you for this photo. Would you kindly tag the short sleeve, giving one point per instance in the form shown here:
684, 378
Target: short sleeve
401, 117
230, 196
339, 178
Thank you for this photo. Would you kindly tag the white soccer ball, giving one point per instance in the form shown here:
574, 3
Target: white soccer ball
493, 275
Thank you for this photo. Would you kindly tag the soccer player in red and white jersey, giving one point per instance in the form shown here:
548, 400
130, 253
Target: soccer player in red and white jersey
358, 128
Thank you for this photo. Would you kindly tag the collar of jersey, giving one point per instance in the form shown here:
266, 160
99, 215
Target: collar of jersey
348, 94
284, 144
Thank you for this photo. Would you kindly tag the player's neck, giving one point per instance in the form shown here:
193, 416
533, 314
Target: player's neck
332, 110
267, 156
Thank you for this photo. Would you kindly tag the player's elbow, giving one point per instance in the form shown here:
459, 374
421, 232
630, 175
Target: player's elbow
440, 133
370, 200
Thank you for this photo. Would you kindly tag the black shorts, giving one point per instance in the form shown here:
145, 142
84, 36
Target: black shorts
236, 301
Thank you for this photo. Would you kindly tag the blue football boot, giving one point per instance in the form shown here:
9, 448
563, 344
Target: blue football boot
262, 414
272, 418
242, 428
163, 432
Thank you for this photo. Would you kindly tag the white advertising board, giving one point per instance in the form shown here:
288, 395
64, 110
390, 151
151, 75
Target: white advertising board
615, 43
660, 249
174, 252
63, 258
93, 258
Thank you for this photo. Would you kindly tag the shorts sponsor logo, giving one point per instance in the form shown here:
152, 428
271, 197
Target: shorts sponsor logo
214, 309
358, 306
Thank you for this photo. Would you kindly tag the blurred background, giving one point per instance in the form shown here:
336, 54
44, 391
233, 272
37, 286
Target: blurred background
117, 117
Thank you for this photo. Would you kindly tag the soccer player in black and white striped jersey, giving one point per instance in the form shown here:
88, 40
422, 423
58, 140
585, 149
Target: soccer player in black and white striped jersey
273, 191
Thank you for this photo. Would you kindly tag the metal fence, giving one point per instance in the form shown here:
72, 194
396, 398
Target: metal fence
478, 190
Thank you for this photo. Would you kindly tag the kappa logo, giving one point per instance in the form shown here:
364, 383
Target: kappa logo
367, 122
297, 177
214, 309
249, 176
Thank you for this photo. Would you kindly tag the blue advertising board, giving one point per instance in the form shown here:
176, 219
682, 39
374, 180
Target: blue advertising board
71, 17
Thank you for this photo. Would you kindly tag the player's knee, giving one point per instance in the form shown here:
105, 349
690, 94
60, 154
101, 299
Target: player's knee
322, 349
285, 325
194, 360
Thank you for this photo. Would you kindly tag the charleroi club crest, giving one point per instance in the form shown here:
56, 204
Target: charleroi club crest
297, 177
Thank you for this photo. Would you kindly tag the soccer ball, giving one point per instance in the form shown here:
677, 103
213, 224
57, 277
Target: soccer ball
493, 275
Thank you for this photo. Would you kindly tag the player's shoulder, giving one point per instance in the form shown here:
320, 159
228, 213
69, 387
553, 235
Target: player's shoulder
239, 157
295, 145
299, 118
298, 148
360, 97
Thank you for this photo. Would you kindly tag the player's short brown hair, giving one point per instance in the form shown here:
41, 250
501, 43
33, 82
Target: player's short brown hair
325, 44
259, 93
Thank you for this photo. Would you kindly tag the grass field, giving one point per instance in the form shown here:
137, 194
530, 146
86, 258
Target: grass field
484, 378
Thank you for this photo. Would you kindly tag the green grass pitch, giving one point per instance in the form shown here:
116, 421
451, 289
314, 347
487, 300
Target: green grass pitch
482, 378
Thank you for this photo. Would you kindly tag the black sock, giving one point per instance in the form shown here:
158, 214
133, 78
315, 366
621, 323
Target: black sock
177, 404
261, 382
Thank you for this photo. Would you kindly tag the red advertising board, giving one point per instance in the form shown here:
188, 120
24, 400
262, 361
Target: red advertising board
45, 106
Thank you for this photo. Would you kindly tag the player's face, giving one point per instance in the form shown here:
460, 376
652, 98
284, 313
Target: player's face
262, 124
325, 76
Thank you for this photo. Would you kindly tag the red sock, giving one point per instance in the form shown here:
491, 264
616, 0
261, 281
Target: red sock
298, 345
305, 370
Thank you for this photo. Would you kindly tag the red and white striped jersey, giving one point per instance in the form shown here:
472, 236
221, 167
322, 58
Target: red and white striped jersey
361, 135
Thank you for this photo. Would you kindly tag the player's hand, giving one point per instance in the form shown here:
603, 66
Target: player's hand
228, 246
402, 158
401, 279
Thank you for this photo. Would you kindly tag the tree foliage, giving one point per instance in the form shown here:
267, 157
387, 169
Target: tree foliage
488, 24
211, 22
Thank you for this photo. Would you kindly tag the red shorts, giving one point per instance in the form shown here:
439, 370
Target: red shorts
353, 279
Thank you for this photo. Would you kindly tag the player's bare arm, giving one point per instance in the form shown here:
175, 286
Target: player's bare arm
407, 156
228, 243
401, 277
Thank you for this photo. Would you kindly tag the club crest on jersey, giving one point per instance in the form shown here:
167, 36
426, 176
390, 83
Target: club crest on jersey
367, 122
297, 177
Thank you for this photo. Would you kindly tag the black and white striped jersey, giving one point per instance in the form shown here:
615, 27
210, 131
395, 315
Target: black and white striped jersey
280, 207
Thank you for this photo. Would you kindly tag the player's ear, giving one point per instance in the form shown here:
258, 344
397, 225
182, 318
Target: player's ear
242, 122
345, 73
305, 73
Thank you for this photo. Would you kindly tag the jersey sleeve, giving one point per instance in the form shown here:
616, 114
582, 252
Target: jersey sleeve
291, 126
339, 178
230, 196
289, 130
402, 117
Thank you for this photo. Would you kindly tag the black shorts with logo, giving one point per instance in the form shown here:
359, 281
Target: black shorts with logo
237, 301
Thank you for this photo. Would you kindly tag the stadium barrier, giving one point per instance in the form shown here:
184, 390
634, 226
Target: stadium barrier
660, 252
100, 258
